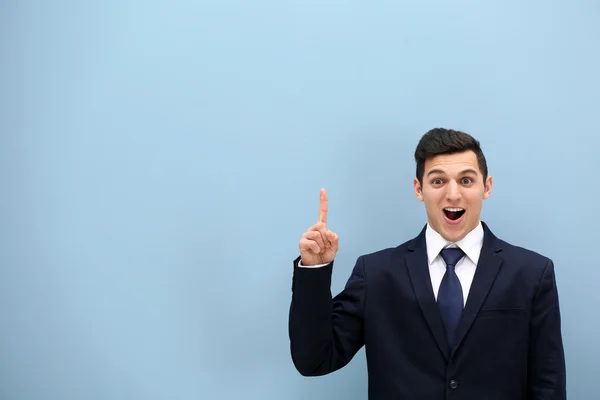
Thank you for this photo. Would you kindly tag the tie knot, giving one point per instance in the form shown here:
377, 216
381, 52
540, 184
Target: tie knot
452, 255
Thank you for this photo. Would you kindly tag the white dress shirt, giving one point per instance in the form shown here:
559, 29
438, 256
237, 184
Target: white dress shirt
465, 268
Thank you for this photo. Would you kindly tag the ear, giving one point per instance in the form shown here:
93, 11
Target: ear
418, 189
488, 188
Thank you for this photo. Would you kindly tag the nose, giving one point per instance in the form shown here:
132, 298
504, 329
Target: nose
453, 192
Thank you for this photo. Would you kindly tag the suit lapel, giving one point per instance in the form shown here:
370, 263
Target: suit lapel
416, 262
485, 274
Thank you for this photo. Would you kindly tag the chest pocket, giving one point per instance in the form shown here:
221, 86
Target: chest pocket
504, 312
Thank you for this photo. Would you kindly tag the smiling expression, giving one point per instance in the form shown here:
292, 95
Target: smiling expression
453, 191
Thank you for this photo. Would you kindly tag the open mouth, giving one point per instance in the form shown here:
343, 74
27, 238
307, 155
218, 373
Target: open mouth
454, 214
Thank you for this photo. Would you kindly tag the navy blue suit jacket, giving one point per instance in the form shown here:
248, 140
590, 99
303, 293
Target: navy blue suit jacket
509, 340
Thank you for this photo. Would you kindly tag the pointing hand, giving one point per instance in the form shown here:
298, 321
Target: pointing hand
318, 244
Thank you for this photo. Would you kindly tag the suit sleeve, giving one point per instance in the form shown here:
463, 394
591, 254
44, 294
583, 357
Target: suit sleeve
547, 373
325, 332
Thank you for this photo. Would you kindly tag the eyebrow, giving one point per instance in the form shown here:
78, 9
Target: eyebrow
463, 172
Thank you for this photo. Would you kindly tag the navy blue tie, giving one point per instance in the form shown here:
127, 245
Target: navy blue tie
450, 295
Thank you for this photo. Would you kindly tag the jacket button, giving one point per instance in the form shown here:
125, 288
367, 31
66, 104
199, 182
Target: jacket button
453, 384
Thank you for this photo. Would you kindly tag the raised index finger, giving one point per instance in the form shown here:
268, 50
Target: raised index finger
323, 207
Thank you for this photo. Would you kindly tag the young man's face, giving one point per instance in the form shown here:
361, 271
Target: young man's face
453, 191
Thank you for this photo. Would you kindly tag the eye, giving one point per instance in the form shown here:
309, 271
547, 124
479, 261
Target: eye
436, 182
467, 181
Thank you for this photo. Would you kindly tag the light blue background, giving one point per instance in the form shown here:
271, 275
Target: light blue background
160, 161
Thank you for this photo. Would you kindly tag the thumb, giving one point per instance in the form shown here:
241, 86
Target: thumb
333, 239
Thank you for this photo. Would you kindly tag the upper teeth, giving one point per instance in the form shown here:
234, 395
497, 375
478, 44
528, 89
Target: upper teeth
453, 209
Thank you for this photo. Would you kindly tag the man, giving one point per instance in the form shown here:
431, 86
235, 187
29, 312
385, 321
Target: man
455, 313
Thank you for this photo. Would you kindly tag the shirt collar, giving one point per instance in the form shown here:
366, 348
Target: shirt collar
470, 244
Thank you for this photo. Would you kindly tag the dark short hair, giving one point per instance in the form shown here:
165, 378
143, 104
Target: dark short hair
439, 141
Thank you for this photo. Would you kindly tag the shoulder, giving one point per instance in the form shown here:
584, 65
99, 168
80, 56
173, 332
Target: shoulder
523, 262
527, 268
385, 257
515, 252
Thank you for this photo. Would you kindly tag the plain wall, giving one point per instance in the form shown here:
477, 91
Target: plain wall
161, 159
